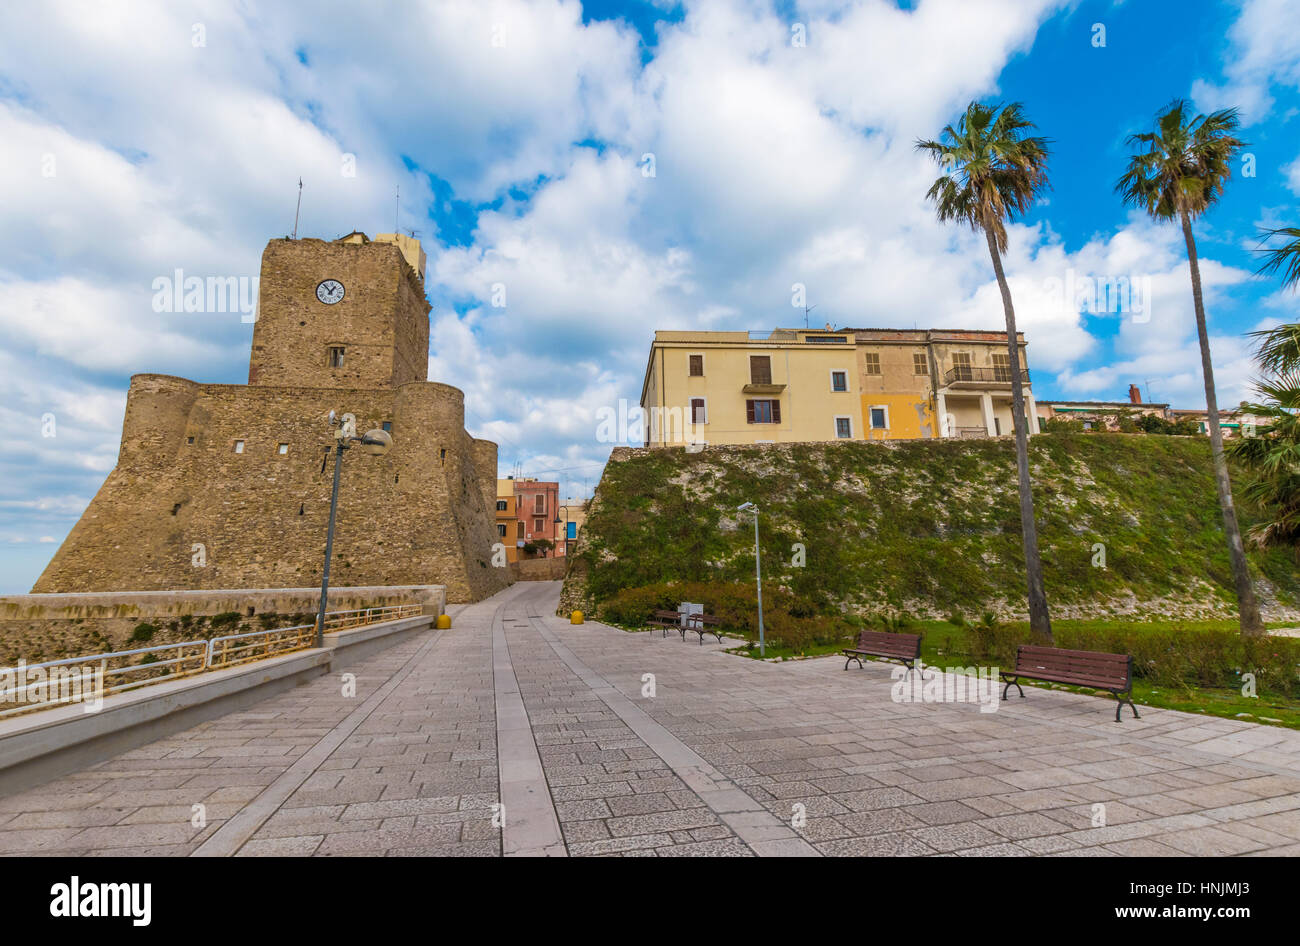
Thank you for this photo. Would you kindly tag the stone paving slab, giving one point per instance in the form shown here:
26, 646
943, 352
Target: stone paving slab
729, 757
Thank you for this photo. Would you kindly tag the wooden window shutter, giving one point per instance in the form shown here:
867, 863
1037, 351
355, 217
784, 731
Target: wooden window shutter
760, 369
776, 412
749, 412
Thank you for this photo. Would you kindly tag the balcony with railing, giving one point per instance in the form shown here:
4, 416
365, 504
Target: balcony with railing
969, 376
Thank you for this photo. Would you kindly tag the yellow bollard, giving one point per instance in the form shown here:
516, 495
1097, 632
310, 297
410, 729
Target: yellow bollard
575, 617
444, 622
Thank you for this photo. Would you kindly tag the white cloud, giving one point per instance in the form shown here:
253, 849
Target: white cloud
1264, 51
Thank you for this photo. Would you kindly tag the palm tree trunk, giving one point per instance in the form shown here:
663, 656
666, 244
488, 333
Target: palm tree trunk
1040, 620
1247, 605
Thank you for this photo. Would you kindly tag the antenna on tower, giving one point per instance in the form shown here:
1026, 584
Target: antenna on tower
297, 210
1150, 399
397, 207
806, 309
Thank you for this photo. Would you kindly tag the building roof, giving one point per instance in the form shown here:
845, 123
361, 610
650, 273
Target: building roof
1103, 404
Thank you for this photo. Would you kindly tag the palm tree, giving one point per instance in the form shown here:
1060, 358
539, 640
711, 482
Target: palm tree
993, 171
1179, 173
1273, 455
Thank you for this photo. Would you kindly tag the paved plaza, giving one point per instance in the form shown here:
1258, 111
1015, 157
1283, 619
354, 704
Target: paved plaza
518, 733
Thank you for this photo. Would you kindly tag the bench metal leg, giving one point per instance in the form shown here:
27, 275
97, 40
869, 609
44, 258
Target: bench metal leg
1119, 705
911, 667
850, 660
1010, 682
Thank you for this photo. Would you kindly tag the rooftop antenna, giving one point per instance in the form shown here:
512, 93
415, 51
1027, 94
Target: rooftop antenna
1150, 399
397, 206
806, 309
297, 209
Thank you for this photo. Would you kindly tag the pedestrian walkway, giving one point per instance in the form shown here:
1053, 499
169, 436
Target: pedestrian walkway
518, 733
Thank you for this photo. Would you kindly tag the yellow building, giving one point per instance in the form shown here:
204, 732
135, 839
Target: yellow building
804, 385
573, 513
736, 387
509, 527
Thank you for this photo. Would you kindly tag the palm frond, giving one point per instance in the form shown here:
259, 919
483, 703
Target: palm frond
1285, 258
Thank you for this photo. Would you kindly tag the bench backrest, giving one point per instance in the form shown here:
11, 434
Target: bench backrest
890, 645
704, 619
669, 615
1086, 667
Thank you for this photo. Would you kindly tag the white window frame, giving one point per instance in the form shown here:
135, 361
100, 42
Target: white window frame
833, 373
836, 423
691, 414
239, 446
878, 407
704, 365
282, 449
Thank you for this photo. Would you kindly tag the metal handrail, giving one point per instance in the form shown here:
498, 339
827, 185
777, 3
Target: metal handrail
228, 650
181, 665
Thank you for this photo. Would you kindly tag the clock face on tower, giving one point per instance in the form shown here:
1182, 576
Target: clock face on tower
330, 291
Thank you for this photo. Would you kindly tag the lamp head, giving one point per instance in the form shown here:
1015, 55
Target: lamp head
377, 442
744, 506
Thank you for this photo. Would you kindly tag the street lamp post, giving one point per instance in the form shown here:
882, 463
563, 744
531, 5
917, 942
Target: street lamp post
758, 577
566, 529
376, 442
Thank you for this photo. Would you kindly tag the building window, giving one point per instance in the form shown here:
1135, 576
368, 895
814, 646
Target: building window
519, 532
189, 440
387, 426
336, 356
502, 505
1001, 367
844, 428
961, 365
282, 449
760, 369
539, 525
763, 411
826, 340
872, 361
880, 418
570, 530
697, 366
539, 504
699, 415
239, 446
920, 364
839, 380
501, 530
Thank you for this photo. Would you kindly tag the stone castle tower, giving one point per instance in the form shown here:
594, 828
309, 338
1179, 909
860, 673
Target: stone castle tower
226, 486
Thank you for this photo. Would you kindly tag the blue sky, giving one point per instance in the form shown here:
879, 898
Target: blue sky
144, 138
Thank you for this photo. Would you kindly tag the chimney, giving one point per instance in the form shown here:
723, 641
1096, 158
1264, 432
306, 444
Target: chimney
1135, 394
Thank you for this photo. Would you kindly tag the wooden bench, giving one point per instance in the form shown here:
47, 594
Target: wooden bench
1085, 668
703, 624
904, 647
667, 620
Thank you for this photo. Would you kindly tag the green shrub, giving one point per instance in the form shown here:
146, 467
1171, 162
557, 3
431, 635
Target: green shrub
225, 620
143, 633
